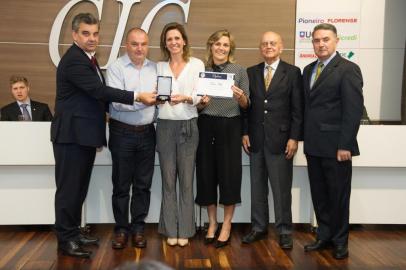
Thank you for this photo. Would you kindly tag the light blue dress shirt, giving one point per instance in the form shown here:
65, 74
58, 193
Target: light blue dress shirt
315, 67
123, 74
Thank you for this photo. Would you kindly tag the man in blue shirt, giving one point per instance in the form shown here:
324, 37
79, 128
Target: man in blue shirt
132, 139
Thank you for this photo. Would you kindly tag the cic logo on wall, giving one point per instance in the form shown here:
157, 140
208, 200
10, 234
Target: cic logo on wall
127, 4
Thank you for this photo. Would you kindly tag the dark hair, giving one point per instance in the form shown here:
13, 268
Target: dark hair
17, 78
325, 26
86, 18
165, 52
213, 39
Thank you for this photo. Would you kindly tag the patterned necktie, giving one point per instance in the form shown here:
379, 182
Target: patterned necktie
26, 114
318, 71
268, 77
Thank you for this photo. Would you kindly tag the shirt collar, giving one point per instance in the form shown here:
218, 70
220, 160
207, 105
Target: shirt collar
127, 61
28, 102
90, 55
325, 63
219, 68
274, 65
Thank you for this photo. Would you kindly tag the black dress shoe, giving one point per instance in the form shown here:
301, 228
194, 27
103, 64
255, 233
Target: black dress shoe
73, 248
120, 240
220, 243
87, 240
253, 236
285, 241
317, 245
340, 252
138, 240
210, 240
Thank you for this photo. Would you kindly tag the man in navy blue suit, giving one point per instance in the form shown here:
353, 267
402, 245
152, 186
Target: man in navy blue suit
78, 128
333, 110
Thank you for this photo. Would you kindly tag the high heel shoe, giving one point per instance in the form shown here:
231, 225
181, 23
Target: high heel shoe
220, 243
210, 240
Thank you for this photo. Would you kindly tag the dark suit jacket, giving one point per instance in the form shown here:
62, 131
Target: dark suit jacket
276, 115
333, 108
81, 101
40, 112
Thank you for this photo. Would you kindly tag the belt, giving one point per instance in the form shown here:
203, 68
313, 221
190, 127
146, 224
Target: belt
136, 128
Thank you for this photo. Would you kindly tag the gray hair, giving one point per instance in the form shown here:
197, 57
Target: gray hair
86, 18
325, 26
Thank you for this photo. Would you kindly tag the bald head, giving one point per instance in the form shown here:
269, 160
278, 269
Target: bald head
135, 30
137, 45
271, 46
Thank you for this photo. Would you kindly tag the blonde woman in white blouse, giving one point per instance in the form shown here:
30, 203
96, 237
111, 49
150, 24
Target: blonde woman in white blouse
178, 136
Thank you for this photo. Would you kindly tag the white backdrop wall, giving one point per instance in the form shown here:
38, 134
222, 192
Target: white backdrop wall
382, 35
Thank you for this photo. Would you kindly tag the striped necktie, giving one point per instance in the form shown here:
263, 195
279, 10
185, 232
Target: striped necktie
26, 114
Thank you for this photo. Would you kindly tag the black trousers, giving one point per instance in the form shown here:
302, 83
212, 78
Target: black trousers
218, 160
73, 168
133, 156
330, 185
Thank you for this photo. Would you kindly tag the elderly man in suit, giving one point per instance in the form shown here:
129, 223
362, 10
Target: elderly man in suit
333, 110
275, 122
78, 128
24, 108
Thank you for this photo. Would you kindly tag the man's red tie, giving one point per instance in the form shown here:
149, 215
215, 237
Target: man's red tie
94, 62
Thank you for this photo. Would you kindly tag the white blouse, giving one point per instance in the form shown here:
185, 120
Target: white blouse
185, 84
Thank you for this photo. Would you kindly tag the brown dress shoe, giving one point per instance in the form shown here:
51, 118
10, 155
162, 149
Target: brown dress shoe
120, 240
138, 240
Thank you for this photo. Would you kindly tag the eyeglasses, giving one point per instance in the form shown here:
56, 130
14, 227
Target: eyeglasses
268, 43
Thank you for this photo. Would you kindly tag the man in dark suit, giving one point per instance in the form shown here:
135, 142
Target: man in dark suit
24, 108
333, 110
275, 123
78, 128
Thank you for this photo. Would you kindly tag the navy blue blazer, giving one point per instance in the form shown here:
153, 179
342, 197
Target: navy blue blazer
333, 108
276, 115
81, 98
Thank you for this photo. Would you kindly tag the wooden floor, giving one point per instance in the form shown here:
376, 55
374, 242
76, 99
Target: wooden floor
371, 247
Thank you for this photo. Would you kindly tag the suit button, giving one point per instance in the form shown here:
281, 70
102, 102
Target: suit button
265, 111
266, 101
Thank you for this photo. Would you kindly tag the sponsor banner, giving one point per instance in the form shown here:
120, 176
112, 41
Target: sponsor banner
303, 57
348, 29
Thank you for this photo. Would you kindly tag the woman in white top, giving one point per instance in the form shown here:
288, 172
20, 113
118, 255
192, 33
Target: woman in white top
177, 135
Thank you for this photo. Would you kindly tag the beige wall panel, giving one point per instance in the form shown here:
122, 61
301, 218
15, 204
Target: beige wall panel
33, 62
26, 25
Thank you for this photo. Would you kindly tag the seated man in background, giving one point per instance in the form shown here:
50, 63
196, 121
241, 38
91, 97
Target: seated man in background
24, 109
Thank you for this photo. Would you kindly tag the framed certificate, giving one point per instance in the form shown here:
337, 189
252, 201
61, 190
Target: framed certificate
164, 88
215, 84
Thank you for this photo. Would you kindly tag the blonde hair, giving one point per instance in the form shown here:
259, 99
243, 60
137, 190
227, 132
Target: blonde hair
17, 78
213, 39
